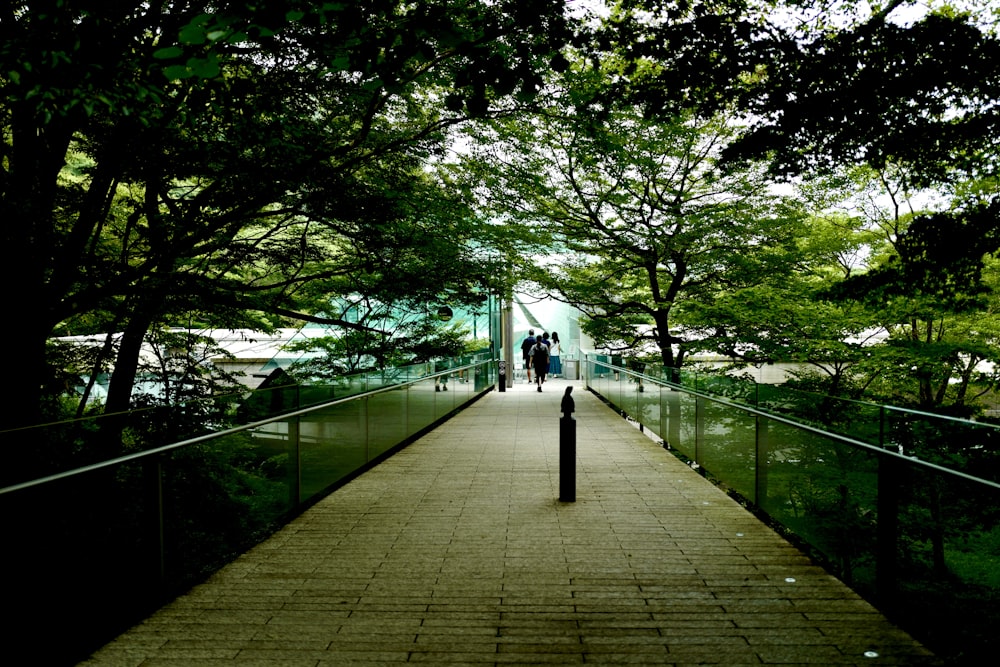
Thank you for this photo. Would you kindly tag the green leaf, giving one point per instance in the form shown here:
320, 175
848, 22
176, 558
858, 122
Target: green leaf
168, 53
175, 72
206, 68
192, 34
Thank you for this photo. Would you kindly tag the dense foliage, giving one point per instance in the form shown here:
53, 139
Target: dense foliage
235, 165
807, 181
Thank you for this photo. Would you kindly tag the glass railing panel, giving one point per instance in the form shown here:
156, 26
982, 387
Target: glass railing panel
50, 449
614, 389
444, 395
727, 446
422, 400
98, 535
619, 380
647, 411
266, 403
726, 386
315, 394
275, 448
482, 373
855, 419
332, 444
387, 418
825, 492
921, 541
465, 382
669, 410
590, 375
219, 498
375, 379
601, 366
690, 424
956, 444
632, 391
949, 563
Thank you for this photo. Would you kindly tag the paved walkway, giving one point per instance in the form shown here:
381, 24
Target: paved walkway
458, 551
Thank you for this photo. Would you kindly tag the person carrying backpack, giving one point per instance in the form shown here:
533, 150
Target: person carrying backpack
526, 346
540, 362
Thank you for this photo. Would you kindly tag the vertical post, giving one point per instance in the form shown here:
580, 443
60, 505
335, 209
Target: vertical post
762, 456
507, 337
567, 459
881, 426
502, 373
567, 449
699, 409
294, 465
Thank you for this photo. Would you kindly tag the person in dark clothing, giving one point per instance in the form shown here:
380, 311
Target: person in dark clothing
540, 361
526, 346
548, 344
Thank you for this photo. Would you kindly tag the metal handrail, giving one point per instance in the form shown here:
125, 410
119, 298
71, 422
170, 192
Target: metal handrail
879, 451
217, 434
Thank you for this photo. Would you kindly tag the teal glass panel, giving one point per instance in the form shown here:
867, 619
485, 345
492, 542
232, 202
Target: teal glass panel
421, 400
948, 551
444, 395
387, 417
952, 443
670, 413
826, 493
219, 498
682, 415
332, 444
647, 411
727, 446
465, 382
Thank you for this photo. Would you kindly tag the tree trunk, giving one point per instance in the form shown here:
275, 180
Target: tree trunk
27, 203
126, 368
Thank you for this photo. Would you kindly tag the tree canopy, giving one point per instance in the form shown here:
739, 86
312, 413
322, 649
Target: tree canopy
237, 165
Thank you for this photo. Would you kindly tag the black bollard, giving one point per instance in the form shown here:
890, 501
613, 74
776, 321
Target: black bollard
503, 375
567, 449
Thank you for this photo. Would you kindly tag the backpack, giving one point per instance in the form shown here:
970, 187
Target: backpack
540, 352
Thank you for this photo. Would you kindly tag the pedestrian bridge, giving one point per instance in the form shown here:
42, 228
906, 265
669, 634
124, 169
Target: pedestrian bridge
458, 550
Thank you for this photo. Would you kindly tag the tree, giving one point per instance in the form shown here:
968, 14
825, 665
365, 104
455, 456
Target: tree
916, 102
641, 217
881, 93
214, 138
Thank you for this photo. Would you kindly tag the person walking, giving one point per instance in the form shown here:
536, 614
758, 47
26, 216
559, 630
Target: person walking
540, 361
548, 344
526, 345
555, 366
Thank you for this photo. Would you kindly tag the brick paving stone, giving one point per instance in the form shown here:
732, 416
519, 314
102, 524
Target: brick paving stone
457, 551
